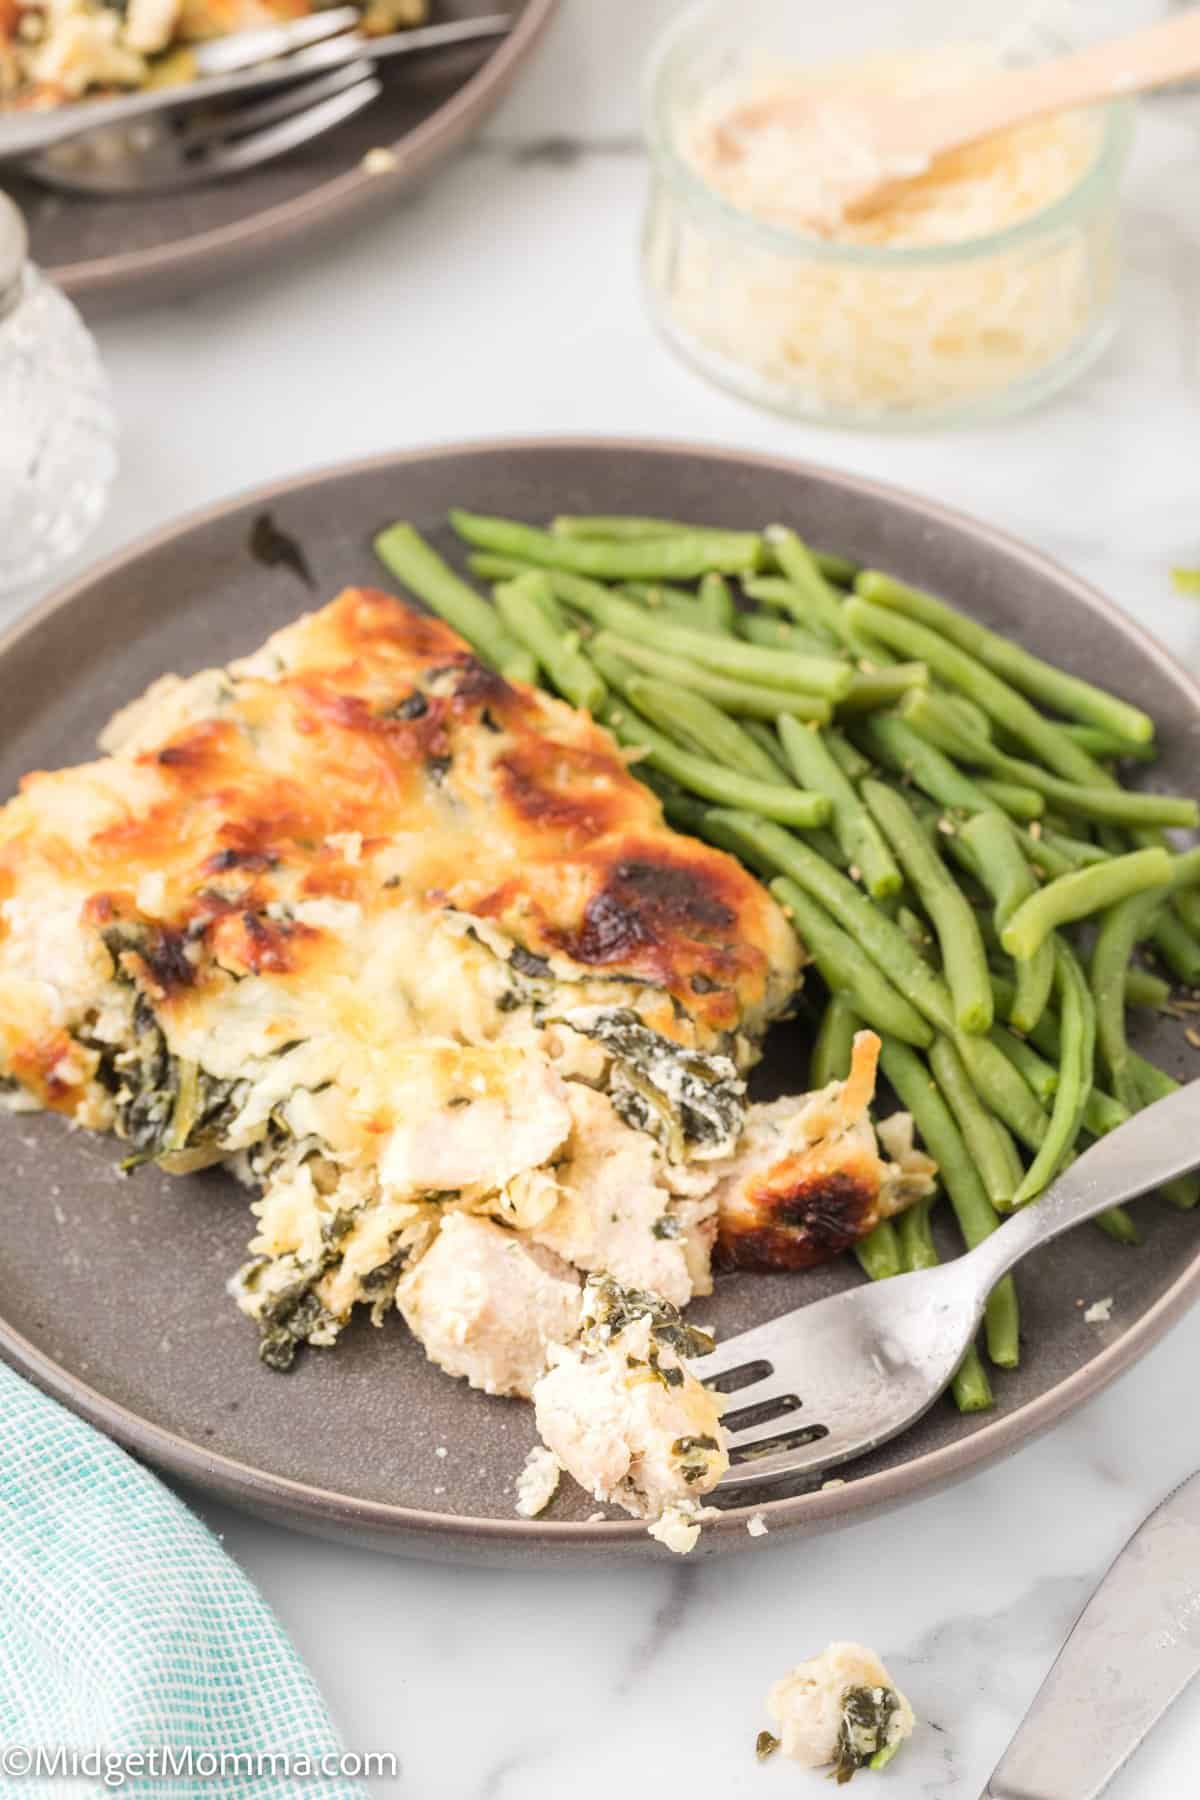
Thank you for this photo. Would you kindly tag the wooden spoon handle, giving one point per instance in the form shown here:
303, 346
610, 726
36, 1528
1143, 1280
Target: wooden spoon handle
1168, 51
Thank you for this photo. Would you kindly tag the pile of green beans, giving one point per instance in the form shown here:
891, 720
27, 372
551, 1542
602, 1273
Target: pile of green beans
939, 813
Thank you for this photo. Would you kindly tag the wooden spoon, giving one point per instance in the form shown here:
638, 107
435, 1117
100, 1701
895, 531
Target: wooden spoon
893, 140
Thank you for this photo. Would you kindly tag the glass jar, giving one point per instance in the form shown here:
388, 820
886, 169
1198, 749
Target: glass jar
57, 425
875, 335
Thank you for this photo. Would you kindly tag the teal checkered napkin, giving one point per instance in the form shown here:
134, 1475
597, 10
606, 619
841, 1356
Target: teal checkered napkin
125, 1627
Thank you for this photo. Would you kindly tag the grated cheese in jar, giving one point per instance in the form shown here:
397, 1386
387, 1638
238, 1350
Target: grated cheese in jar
909, 313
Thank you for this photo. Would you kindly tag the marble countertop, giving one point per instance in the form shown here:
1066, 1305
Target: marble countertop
503, 298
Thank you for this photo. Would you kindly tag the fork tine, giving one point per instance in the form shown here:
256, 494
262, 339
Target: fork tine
220, 125
301, 125
793, 1428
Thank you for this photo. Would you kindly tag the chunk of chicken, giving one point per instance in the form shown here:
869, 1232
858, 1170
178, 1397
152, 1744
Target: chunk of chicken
508, 1113
487, 1305
808, 1179
615, 1213
621, 1412
841, 1707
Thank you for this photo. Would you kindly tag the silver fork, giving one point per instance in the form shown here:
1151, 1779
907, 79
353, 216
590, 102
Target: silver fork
204, 144
245, 63
833, 1380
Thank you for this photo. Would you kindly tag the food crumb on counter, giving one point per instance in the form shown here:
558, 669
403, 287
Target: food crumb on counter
756, 1525
840, 1710
1100, 1311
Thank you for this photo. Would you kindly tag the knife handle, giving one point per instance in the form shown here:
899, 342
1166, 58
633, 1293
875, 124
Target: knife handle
1131, 1652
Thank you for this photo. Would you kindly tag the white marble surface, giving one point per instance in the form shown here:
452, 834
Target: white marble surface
504, 299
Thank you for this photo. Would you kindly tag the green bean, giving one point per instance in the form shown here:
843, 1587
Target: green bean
971, 1388
895, 744
1102, 1113
767, 739
1075, 1074
1106, 747
525, 607
815, 599
497, 568
857, 833
684, 556
963, 955
663, 602
883, 687
1001, 702
419, 567
684, 810
1187, 906
701, 776
1019, 802
1080, 894
768, 848
1154, 1084
916, 931
977, 1218
1001, 1083
838, 569
834, 1047
1062, 693
1177, 947
1039, 1076
716, 602
1147, 991
1185, 870
623, 528
776, 634
1059, 853
778, 593
661, 593
917, 1248
846, 970
1005, 874
697, 725
970, 717
1120, 928
853, 764
775, 669
879, 1252
1117, 1224
1000, 1167
742, 698
928, 714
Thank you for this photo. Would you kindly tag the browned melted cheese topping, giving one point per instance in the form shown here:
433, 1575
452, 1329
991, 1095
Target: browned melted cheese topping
365, 756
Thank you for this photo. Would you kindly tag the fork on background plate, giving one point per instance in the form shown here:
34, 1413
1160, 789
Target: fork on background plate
222, 122
833, 1380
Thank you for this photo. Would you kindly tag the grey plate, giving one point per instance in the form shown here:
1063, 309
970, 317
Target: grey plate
113, 1289
112, 253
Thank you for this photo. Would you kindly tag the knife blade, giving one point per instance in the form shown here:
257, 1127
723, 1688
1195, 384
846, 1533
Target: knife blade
1131, 1652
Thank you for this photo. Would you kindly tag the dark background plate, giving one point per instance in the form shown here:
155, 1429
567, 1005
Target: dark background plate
112, 253
112, 1289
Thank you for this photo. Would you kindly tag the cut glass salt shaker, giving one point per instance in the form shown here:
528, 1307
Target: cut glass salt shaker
57, 425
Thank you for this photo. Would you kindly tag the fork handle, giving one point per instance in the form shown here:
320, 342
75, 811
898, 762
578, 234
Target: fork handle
1153, 1147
